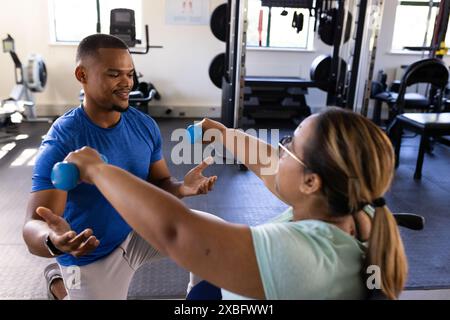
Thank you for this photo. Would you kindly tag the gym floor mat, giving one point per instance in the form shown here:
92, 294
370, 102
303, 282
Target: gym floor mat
238, 197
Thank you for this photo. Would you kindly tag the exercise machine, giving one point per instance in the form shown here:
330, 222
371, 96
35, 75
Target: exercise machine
123, 25
30, 79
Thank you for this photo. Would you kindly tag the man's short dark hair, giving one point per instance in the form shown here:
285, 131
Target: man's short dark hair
89, 46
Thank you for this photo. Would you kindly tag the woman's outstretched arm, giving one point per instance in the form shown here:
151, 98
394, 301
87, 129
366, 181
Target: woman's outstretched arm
257, 155
217, 251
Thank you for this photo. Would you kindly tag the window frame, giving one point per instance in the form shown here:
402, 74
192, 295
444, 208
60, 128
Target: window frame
52, 27
394, 51
310, 42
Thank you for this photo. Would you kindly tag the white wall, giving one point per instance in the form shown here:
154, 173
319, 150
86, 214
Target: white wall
385, 59
179, 70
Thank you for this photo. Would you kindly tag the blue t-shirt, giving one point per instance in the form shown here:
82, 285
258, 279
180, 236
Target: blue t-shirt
133, 144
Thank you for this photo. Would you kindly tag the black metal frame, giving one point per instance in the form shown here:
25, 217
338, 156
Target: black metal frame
440, 26
18, 68
335, 88
339, 93
228, 81
351, 90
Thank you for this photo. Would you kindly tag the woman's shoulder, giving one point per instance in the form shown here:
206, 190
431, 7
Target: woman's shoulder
311, 226
316, 235
302, 258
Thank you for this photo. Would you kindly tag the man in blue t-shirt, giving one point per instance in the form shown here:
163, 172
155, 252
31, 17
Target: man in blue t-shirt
95, 248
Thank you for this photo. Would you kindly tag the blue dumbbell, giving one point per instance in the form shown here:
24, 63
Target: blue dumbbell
195, 132
65, 175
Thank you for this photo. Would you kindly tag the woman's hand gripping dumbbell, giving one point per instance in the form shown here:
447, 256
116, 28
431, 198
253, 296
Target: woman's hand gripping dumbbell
66, 176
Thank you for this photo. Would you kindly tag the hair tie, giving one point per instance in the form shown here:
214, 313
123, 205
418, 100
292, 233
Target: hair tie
378, 203
369, 208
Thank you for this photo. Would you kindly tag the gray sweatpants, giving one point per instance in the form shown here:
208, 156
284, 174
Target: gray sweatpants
110, 277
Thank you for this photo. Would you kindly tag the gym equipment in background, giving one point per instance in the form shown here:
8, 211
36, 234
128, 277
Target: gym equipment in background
432, 71
427, 125
217, 70
30, 79
436, 49
328, 26
321, 68
233, 78
440, 29
218, 22
272, 97
123, 26
65, 175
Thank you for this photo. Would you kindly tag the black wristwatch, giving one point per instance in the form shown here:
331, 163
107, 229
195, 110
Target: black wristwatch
54, 251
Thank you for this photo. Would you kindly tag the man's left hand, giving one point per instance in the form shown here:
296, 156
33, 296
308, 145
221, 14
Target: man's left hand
195, 182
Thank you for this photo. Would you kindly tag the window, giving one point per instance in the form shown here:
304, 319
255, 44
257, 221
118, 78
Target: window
411, 24
72, 20
282, 34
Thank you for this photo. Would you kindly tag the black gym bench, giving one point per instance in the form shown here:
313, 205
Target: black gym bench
428, 125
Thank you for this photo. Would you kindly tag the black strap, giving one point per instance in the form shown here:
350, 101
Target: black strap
378, 203
52, 247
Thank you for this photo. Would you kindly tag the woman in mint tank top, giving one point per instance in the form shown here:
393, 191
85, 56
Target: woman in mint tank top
338, 239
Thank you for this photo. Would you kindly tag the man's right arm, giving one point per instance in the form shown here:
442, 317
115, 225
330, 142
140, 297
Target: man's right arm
36, 229
48, 220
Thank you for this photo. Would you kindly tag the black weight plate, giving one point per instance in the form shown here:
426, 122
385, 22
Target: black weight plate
218, 22
320, 70
217, 70
327, 27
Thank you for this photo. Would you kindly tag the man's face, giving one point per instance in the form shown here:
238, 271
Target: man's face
109, 78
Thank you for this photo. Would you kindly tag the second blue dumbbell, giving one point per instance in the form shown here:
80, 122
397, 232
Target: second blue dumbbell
195, 132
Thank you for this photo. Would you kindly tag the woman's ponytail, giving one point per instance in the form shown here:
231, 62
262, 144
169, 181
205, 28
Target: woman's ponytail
386, 252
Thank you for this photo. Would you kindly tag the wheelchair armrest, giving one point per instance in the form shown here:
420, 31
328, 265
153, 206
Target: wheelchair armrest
410, 221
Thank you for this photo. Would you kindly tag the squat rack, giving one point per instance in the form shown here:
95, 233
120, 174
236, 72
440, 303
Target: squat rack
340, 89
